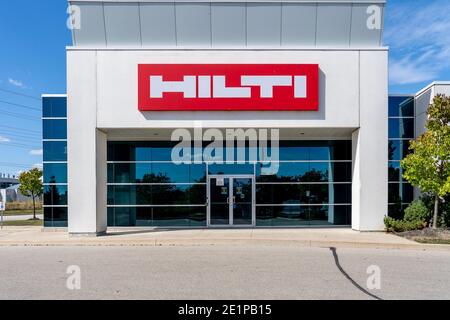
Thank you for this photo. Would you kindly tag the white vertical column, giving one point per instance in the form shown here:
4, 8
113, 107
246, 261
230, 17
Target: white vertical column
86, 148
370, 145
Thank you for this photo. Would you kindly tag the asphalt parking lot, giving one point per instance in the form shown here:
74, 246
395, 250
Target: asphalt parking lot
222, 272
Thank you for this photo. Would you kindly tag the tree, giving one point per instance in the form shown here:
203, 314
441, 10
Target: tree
31, 186
428, 166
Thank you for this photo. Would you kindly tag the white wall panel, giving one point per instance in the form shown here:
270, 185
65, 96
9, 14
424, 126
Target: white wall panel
92, 28
263, 24
193, 24
158, 24
122, 24
361, 34
228, 24
333, 24
299, 24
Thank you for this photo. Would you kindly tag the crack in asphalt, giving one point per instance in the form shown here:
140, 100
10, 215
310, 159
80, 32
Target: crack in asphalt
338, 265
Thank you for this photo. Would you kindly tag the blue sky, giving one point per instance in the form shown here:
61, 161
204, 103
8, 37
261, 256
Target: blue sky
33, 37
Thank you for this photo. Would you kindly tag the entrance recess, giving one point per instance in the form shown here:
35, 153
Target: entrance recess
231, 201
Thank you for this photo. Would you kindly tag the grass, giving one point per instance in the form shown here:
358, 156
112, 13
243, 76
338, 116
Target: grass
22, 212
24, 223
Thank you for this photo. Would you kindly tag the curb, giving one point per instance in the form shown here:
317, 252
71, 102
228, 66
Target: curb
219, 242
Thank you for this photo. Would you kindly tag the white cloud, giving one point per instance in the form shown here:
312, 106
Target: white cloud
38, 165
38, 152
16, 83
419, 40
4, 139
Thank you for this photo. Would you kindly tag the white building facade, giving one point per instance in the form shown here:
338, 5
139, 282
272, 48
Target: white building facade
333, 163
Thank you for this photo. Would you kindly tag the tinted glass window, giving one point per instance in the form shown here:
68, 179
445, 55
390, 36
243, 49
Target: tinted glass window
401, 107
398, 149
55, 151
55, 217
394, 171
54, 107
55, 129
55, 173
231, 168
55, 195
401, 128
302, 215
157, 194
400, 193
157, 216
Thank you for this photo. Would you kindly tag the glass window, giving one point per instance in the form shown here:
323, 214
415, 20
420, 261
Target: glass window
400, 193
398, 149
394, 171
401, 128
287, 172
342, 194
318, 172
55, 173
303, 193
282, 216
341, 150
342, 171
401, 106
179, 216
280, 193
157, 216
302, 215
306, 172
55, 151
397, 210
194, 194
55, 129
170, 173
55, 217
54, 107
320, 153
55, 195
231, 168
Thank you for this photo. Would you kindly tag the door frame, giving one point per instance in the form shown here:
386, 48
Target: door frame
230, 196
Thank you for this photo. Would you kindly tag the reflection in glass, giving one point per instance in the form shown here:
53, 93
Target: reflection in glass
55, 151
401, 128
54, 129
55, 195
401, 106
55, 173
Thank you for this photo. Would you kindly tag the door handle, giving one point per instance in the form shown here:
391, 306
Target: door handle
228, 200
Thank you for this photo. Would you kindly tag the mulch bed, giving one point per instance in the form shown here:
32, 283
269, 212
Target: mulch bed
428, 235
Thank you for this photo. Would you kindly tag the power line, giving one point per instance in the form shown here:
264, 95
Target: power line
21, 105
19, 129
20, 134
18, 145
19, 115
20, 94
21, 137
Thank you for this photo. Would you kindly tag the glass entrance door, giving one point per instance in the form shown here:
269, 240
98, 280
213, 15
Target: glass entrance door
231, 201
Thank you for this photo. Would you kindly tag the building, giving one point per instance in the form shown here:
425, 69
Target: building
313, 73
7, 180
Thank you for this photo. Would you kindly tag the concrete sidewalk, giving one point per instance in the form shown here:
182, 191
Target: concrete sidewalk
34, 236
22, 217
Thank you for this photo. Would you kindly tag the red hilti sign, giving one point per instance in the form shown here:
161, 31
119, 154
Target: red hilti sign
251, 87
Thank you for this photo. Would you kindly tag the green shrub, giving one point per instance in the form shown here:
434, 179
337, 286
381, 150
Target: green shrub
393, 225
417, 212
